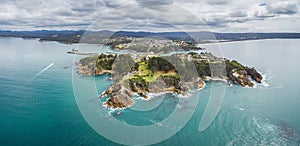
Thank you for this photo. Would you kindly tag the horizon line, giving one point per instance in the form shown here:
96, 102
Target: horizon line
137, 31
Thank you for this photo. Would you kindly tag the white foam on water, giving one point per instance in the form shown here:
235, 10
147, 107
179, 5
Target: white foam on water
266, 79
239, 108
153, 95
150, 95
113, 110
266, 82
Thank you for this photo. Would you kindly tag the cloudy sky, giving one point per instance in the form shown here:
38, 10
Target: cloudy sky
152, 15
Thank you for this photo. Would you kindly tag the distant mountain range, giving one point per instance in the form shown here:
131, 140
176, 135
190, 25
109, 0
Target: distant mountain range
66, 36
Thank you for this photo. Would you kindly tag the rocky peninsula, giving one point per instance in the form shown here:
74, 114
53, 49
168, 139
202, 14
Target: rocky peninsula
177, 73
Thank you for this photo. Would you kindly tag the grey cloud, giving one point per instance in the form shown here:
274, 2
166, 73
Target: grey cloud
153, 3
238, 14
64, 12
283, 8
86, 6
83, 9
5, 23
218, 2
263, 15
210, 2
221, 14
275, 9
115, 3
216, 21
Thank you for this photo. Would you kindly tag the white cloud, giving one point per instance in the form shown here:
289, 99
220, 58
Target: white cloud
187, 15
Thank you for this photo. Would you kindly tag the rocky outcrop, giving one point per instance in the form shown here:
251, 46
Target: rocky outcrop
254, 74
119, 96
198, 84
90, 71
118, 101
240, 77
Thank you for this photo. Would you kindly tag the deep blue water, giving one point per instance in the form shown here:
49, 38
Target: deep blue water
42, 110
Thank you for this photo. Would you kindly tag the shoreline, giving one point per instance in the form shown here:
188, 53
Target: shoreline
154, 75
202, 43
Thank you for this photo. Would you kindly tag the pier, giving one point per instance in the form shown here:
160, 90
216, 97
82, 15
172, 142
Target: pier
82, 53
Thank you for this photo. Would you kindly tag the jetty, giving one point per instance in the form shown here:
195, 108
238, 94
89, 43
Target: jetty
82, 53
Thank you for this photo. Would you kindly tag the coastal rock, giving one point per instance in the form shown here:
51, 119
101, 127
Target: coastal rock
91, 70
254, 74
118, 101
198, 84
119, 96
84, 70
240, 77
142, 94
184, 88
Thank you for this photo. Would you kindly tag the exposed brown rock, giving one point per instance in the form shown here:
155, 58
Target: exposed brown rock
254, 74
241, 77
118, 101
198, 83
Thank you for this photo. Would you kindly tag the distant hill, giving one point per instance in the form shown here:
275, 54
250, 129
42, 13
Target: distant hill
69, 36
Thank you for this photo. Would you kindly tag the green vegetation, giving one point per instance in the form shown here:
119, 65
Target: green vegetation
104, 62
230, 65
139, 82
88, 61
168, 68
143, 69
203, 68
171, 80
160, 64
148, 75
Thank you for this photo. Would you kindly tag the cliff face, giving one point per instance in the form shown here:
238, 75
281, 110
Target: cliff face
155, 74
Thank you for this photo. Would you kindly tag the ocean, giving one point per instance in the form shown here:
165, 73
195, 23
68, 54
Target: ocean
44, 102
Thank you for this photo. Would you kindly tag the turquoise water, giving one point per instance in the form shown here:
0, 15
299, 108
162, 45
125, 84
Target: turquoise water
42, 110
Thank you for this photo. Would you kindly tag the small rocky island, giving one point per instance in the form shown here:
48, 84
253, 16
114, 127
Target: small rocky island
177, 73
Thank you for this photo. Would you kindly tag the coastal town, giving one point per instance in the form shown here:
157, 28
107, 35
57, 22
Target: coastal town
151, 44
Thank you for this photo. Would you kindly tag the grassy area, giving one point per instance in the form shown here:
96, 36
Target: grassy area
148, 75
145, 73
